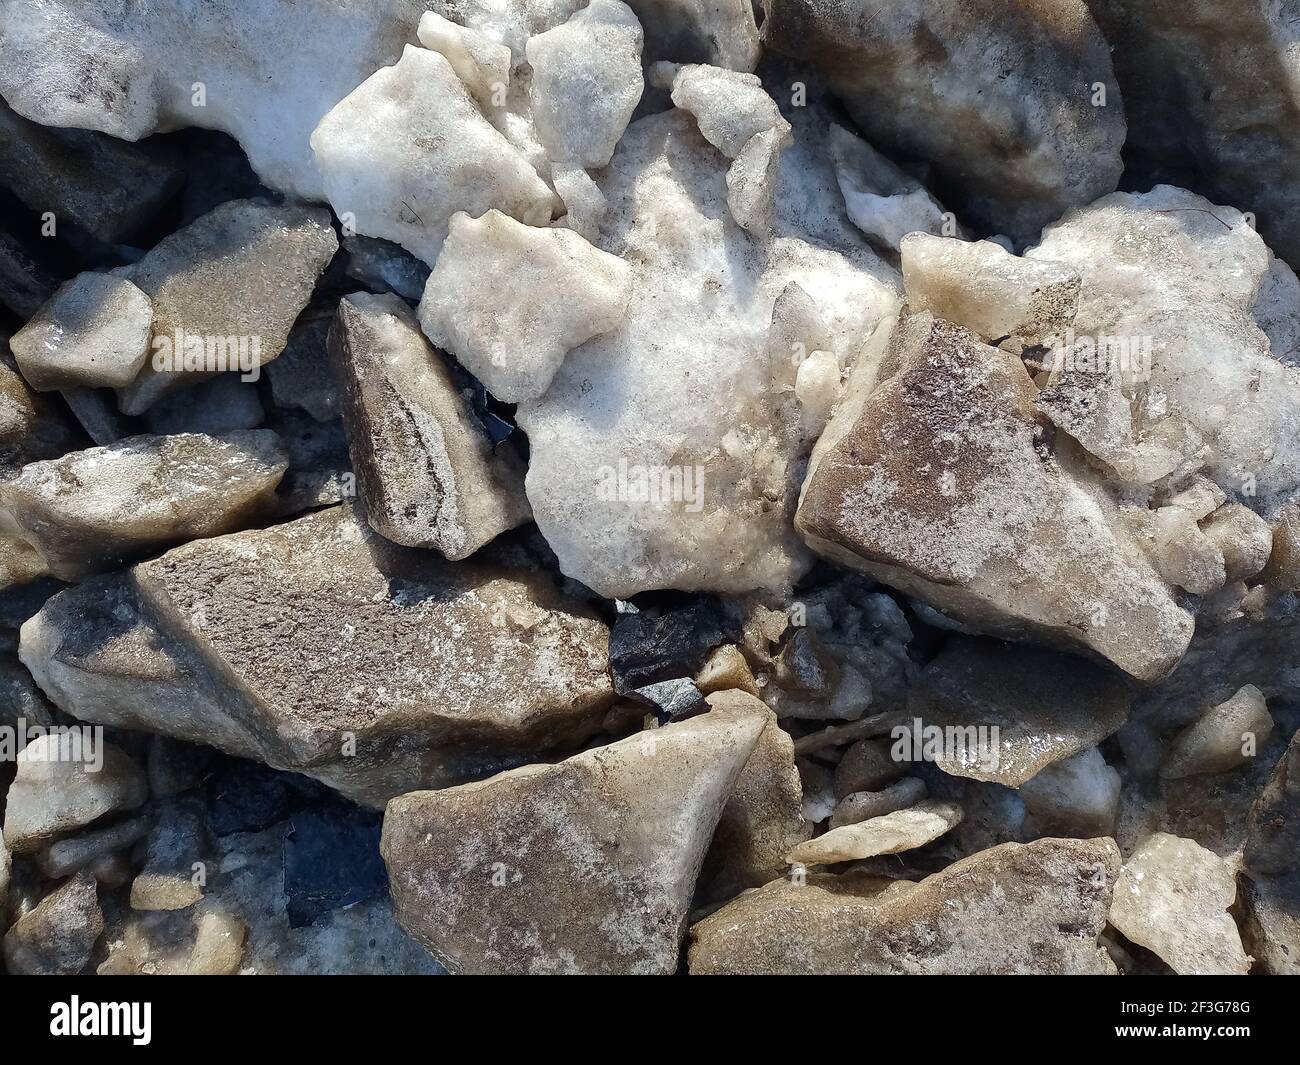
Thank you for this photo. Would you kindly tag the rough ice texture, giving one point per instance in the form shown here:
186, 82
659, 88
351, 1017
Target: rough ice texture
512, 22
54, 794
884, 202
889, 833
57, 937
584, 203
988, 290
425, 468
92, 510
737, 117
1243, 538
1195, 282
730, 107
240, 273
480, 62
510, 300
141, 64
435, 672
1223, 738
722, 32
1035, 908
1271, 923
94, 333
31, 425
1173, 897
376, 152
861, 806
851, 655
20, 563
1077, 796
763, 817
751, 182
696, 382
586, 82
1212, 93
995, 94
1090, 405
583, 867
1045, 706
1273, 832
934, 477
1215, 808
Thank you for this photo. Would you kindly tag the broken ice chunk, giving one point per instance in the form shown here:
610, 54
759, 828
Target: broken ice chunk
1225, 737
763, 817
393, 668
988, 290
666, 453
751, 183
94, 333
586, 82
1283, 569
425, 468
865, 805
585, 205
92, 510
739, 118
891, 833
109, 187
509, 300
882, 200
1035, 708
986, 525
480, 62
1076, 797
1178, 548
1031, 908
1090, 404
1172, 287
226, 290
1091, 407
993, 96
730, 107
56, 937
1243, 537
408, 148
818, 384
1172, 897
61, 786
631, 822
